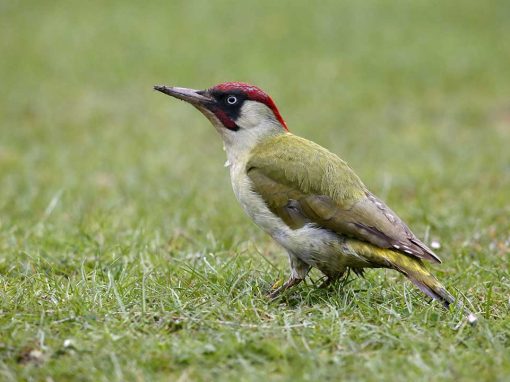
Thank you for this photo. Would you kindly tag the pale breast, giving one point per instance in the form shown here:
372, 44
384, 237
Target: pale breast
253, 204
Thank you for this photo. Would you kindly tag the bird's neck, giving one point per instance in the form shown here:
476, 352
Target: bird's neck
239, 148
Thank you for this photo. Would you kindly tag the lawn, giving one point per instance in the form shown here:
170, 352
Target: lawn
123, 252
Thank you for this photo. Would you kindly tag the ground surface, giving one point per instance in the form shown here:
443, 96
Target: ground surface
123, 254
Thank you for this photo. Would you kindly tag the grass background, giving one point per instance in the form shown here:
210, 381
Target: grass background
123, 253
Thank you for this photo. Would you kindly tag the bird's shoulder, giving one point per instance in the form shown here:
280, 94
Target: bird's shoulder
305, 166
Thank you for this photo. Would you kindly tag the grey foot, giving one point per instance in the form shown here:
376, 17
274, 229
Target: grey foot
326, 283
331, 280
288, 284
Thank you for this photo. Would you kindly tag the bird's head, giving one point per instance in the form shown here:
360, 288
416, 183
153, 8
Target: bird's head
242, 113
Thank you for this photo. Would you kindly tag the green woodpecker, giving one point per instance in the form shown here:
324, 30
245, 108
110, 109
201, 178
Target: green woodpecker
305, 197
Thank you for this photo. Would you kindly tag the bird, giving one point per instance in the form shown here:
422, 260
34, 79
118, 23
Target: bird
305, 197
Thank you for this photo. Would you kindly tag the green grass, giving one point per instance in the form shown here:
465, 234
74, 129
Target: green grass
123, 253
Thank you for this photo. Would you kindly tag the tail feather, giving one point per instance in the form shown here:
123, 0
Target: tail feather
411, 267
431, 287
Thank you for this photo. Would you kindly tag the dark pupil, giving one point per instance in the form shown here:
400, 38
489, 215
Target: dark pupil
231, 100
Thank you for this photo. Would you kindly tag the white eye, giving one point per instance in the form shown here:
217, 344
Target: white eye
231, 100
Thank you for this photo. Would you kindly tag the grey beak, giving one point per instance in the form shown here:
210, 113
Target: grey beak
189, 95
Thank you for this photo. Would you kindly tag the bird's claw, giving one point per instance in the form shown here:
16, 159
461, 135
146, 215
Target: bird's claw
276, 289
276, 292
326, 283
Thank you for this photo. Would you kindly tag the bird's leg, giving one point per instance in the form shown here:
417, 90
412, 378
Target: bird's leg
332, 278
298, 272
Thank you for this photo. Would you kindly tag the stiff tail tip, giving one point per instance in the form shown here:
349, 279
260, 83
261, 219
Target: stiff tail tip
433, 288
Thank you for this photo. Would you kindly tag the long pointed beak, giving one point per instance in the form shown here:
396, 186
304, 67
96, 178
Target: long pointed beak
195, 97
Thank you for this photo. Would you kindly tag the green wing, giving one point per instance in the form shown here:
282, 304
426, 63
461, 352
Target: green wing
302, 183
